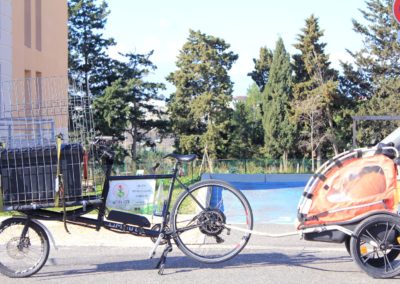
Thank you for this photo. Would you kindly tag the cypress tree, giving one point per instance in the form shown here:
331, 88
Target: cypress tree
278, 130
261, 68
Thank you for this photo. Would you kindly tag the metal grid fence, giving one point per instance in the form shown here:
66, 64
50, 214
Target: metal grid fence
33, 112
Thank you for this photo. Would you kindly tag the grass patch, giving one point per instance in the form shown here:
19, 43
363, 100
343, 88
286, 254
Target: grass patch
10, 213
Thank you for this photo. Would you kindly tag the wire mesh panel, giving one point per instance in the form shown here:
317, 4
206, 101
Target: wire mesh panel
33, 113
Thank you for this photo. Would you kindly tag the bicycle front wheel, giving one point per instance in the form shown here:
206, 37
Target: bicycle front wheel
211, 221
24, 249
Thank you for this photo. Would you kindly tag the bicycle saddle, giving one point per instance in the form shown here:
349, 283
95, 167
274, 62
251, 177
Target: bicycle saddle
182, 158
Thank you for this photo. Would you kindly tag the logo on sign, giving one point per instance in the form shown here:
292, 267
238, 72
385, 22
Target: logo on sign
120, 191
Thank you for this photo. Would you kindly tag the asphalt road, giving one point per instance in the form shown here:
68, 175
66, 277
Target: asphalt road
105, 257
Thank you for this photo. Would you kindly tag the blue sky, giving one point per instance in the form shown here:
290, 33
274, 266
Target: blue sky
247, 25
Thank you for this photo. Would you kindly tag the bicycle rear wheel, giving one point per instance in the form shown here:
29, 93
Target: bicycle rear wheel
209, 219
22, 254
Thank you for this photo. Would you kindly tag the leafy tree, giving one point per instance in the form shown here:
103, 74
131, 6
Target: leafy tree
261, 68
200, 107
278, 130
373, 80
129, 105
87, 58
315, 90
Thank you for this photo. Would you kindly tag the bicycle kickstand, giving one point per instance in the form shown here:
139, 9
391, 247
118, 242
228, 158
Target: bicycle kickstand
161, 263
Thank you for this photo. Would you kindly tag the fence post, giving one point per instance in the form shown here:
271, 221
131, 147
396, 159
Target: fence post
245, 166
191, 166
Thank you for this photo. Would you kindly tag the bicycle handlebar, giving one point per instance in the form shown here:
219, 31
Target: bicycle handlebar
102, 146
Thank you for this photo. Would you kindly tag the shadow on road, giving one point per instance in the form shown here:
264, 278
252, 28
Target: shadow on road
182, 264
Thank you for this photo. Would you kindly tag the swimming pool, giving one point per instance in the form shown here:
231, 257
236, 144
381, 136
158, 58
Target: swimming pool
272, 202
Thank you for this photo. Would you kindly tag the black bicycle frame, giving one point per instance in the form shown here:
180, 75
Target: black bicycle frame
167, 202
75, 216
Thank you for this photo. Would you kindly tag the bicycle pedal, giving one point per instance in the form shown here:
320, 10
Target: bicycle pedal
219, 240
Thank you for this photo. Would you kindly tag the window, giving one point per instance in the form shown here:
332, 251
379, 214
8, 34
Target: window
38, 11
27, 23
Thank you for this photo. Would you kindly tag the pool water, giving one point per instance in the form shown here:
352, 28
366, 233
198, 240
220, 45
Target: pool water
273, 202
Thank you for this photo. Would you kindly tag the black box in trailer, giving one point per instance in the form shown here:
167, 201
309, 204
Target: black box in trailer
28, 175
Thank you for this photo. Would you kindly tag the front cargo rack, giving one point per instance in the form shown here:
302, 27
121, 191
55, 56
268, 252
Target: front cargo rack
33, 113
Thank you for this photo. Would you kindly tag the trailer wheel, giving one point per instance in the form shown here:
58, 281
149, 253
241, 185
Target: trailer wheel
375, 247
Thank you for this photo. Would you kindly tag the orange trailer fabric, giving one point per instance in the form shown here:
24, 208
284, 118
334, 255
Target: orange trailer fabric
348, 191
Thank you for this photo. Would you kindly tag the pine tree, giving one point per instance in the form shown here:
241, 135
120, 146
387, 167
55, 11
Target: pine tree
373, 80
315, 91
129, 105
200, 107
278, 130
87, 58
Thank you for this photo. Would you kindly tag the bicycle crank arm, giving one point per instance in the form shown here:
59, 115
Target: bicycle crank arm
157, 243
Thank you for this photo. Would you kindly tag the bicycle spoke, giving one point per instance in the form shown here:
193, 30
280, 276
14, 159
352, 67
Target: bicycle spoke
368, 255
372, 238
395, 247
388, 233
386, 260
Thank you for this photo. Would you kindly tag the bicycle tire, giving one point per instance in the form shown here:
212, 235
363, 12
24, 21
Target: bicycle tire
375, 246
16, 251
206, 230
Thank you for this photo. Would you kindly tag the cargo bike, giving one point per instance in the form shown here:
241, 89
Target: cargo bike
54, 168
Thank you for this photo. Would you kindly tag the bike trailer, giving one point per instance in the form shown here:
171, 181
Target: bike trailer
352, 184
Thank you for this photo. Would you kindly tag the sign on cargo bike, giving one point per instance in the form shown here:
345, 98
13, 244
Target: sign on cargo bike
132, 195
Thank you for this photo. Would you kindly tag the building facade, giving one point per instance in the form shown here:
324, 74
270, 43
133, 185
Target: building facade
5, 40
33, 39
33, 69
